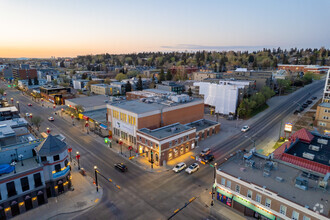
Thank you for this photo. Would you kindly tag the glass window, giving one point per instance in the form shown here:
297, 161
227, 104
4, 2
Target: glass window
182, 150
66, 163
228, 183
56, 157
258, 198
11, 190
283, 209
223, 181
170, 155
37, 180
57, 167
187, 147
268, 202
25, 184
238, 188
43, 159
170, 144
295, 215
249, 194
306, 218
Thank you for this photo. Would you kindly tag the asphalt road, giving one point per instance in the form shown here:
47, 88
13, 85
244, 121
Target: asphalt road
145, 195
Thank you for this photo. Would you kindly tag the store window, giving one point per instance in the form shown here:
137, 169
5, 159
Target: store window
170, 156
176, 152
258, 198
181, 150
268, 202
249, 194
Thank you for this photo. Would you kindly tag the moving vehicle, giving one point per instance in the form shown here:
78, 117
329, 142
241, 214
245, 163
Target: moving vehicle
120, 166
179, 167
296, 112
314, 97
50, 119
208, 158
29, 104
27, 114
205, 152
192, 168
245, 128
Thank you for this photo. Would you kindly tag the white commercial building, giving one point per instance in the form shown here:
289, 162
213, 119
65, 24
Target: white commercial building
223, 96
326, 92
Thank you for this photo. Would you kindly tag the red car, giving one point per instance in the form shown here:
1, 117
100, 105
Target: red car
29, 104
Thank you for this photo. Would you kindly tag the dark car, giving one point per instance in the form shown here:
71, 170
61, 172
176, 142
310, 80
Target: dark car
309, 101
314, 97
296, 112
208, 158
301, 109
120, 166
305, 105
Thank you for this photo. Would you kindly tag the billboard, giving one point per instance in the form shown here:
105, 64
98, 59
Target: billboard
288, 127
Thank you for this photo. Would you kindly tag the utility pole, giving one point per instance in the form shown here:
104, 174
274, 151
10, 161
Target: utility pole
96, 183
279, 134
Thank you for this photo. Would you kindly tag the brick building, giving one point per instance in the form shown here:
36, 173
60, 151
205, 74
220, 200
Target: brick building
304, 68
322, 117
24, 73
265, 189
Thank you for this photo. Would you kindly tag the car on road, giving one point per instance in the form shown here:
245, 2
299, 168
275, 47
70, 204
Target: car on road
121, 167
296, 112
179, 167
208, 158
50, 119
192, 168
305, 105
29, 104
301, 109
205, 152
245, 128
309, 101
314, 97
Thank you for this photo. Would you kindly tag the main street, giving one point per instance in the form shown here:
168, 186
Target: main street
146, 195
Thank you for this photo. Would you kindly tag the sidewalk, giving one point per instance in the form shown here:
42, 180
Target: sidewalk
83, 197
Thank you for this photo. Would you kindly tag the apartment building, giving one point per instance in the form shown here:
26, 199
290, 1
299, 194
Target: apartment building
326, 91
24, 73
322, 117
264, 189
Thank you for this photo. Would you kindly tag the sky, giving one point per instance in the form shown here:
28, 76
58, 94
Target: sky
67, 28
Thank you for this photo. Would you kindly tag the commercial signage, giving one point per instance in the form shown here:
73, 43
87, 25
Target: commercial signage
224, 199
288, 127
61, 173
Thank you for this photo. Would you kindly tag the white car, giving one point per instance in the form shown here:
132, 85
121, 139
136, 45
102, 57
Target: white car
50, 119
27, 114
179, 167
245, 128
192, 168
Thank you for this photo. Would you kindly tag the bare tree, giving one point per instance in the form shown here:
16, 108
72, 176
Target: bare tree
36, 120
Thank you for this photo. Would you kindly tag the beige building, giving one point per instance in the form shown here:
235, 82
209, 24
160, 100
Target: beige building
104, 89
201, 75
322, 117
265, 189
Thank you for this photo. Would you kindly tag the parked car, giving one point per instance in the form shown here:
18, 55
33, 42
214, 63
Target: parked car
27, 114
179, 167
120, 166
192, 168
309, 101
50, 119
29, 104
314, 97
296, 112
208, 158
205, 152
301, 109
245, 128
305, 105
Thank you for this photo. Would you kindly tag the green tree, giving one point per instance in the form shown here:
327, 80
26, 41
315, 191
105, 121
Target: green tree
251, 59
107, 81
36, 120
255, 63
36, 81
55, 82
283, 84
139, 85
152, 84
30, 82
128, 87
121, 76
168, 75
2, 91
84, 76
190, 93
308, 78
161, 76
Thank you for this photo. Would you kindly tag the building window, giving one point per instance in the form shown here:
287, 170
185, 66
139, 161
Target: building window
223, 181
228, 183
43, 159
11, 190
268, 202
238, 188
306, 218
25, 184
181, 150
66, 163
57, 168
325, 117
187, 147
258, 198
295, 215
170, 155
283, 209
325, 110
170, 144
56, 157
249, 194
323, 124
140, 139
187, 137
176, 152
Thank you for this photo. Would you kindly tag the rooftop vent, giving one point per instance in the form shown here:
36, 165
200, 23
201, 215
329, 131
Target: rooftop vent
314, 148
308, 156
173, 129
322, 141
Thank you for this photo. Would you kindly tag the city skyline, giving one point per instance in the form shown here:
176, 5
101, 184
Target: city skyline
41, 29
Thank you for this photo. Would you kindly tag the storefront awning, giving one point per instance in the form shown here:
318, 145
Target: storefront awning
248, 204
224, 193
103, 126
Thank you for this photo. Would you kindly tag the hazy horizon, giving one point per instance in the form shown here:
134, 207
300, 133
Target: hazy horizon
44, 28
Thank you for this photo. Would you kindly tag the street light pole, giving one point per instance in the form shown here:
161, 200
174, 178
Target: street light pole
152, 159
78, 157
18, 106
96, 183
121, 146
213, 188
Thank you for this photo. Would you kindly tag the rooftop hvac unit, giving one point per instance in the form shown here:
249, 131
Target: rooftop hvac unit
314, 148
173, 129
308, 156
322, 141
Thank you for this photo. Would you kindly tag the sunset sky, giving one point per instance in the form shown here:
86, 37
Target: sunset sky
45, 28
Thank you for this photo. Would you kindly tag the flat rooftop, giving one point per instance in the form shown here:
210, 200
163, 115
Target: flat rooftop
152, 92
166, 131
201, 124
321, 151
235, 166
101, 85
97, 115
89, 102
29, 164
325, 104
150, 104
